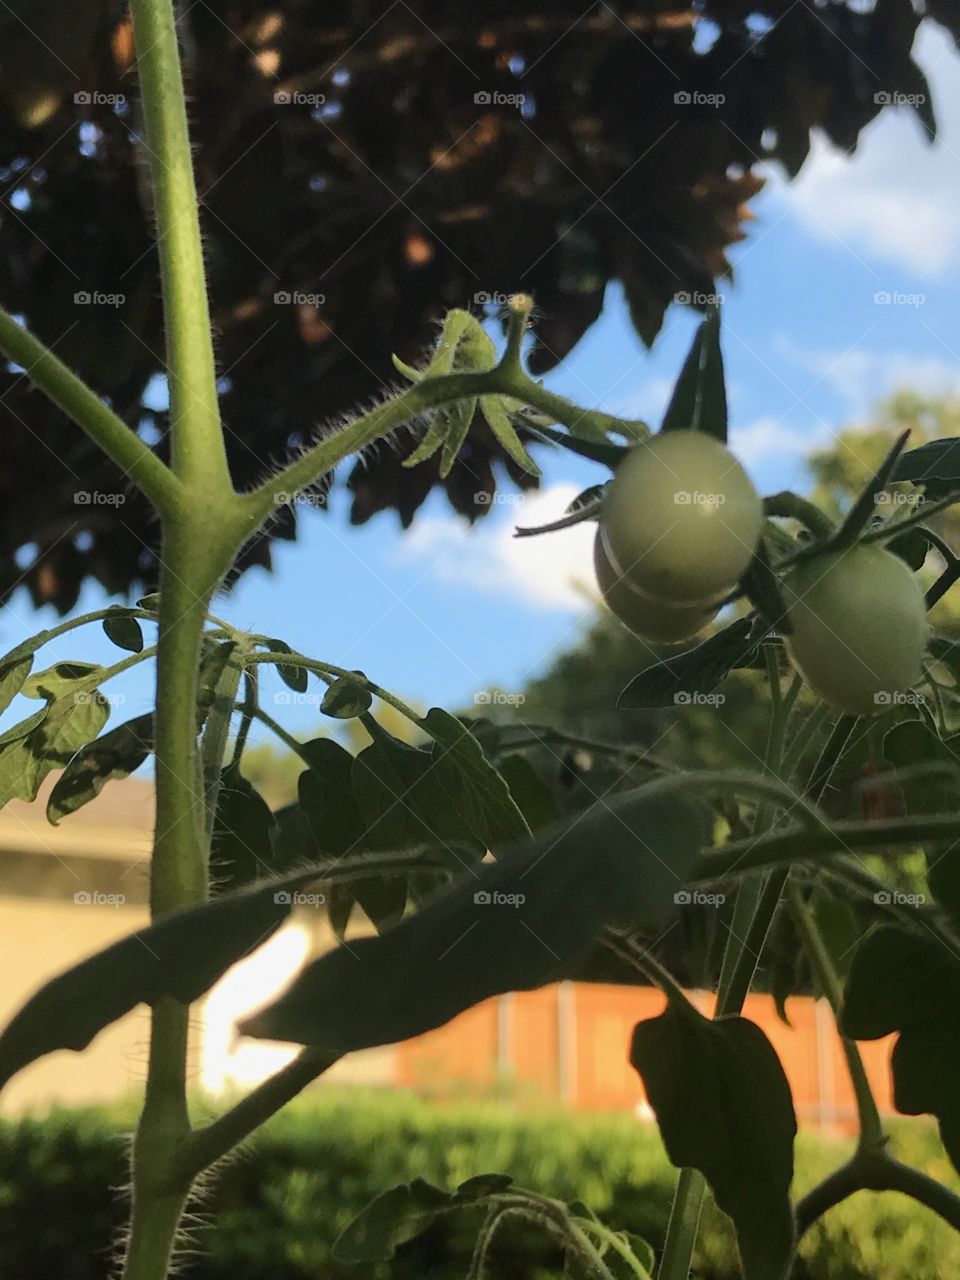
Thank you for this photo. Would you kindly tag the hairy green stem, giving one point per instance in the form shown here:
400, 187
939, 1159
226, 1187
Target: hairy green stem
85, 407
207, 1145
821, 962
877, 1171
198, 453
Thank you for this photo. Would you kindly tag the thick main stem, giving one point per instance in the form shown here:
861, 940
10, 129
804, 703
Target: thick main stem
197, 446
178, 880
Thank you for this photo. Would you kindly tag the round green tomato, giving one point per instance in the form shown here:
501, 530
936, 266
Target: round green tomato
681, 518
859, 627
646, 618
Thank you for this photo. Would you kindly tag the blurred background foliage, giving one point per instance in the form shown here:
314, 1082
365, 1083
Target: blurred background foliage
277, 1208
359, 152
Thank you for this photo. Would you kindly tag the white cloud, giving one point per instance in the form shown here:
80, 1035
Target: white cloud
897, 199
864, 375
551, 572
766, 439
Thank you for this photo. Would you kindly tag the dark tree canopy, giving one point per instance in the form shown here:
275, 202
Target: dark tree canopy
369, 161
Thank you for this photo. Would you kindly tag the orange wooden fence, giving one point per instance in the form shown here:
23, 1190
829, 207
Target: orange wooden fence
570, 1043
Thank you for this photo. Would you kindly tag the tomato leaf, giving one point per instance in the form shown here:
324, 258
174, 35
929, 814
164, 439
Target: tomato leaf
113, 755
698, 670
241, 848
123, 629
345, 699
182, 956
935, 465
908, 983
12, 678
514, 924
724, 1107
862, 510
610, 455
295, 678
699, 400
404, 1212
490, 813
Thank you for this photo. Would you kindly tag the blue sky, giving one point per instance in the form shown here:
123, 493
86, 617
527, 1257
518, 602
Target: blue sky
444, 612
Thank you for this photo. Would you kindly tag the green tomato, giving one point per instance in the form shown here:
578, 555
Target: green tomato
646, 618
681, 518
859, 627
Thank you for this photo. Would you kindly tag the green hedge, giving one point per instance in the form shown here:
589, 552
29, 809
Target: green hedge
277, 1206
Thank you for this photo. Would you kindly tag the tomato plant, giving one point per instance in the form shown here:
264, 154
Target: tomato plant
858, 627
453, 849
681, 519
655, 620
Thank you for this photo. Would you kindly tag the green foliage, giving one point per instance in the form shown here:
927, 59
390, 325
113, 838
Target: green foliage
699, 401
279, 1210
724, 1107
906, 983
513, 924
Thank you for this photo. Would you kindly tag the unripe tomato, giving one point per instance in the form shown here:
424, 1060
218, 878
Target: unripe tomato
681, 518
859, 627
646, 618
